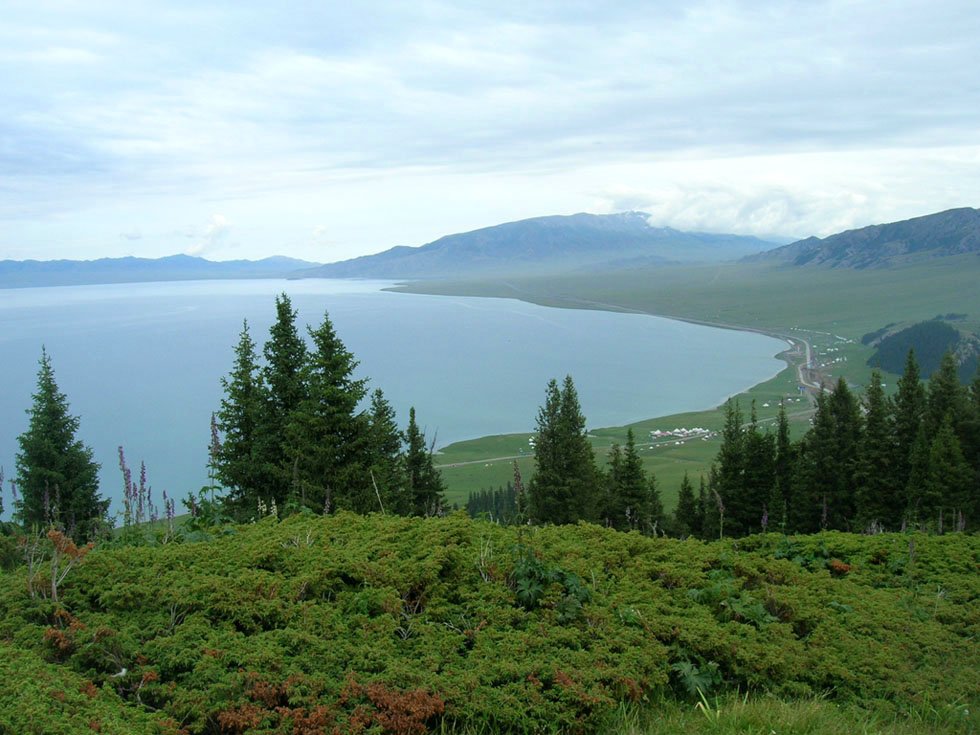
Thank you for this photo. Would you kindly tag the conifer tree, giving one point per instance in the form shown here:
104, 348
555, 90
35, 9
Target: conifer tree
385, 459
285, 356
581, 467
656, 518
241, 461
630, 494
970, 426
949, 489
563, 488
818, 472
946, 396
726, 484
424, 482
758, 479
908, 409
326, 442
845, 438
918, 479
701, 524
548, 492
610, 499
878, 497
783, 472
686, 515
56, 474
975, 391
713, 507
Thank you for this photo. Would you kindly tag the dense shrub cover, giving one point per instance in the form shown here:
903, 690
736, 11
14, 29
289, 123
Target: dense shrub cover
392, 624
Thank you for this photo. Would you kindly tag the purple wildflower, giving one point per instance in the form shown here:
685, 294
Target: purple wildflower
144, 485
141, 492
215, 449
128, 486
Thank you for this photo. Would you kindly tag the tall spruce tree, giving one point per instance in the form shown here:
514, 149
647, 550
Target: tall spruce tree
563, 488
687, 520
916, 484
783, 473
846, 435
326, 441
56, 474
582, 470
629, 492
285, 356
946, 396
879, 499
818, 471
971, 426
758, 478
244, 455
386, 462
908, 411
702, 523
726, 483
425, 484
949, 490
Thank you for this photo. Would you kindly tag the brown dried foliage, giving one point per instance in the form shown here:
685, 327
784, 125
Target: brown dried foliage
357, 708
89, 689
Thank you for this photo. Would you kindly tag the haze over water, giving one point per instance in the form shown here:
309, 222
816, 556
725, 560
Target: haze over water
141, 363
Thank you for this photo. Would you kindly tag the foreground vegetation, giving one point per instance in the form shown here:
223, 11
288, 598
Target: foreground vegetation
390, 624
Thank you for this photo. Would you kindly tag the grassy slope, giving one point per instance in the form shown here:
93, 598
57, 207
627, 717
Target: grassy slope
817, 304
344, 620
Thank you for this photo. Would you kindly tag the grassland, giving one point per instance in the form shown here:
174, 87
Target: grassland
831, 309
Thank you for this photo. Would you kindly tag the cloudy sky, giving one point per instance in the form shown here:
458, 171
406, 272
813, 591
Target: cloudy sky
326, 130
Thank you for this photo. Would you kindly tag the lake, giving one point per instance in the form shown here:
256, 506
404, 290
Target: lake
141, 363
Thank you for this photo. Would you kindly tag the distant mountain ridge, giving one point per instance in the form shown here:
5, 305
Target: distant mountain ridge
26, 273
547, 243
953, 232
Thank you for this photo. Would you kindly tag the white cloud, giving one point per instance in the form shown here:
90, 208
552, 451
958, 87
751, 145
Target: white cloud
214, 232
398, 123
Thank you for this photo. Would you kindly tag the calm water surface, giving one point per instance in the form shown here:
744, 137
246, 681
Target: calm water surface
141, 363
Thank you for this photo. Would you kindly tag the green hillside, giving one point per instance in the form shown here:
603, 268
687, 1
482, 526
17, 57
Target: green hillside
930, 340
405, 625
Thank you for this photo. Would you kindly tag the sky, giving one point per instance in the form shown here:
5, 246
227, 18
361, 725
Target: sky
328, 130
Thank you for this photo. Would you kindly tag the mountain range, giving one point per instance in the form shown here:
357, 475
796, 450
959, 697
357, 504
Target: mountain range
540, 244
24, 273
578, 242
953, 232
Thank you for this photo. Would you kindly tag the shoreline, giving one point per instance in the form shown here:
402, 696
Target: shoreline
793, 345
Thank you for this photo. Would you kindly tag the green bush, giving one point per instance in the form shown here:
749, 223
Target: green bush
389, 624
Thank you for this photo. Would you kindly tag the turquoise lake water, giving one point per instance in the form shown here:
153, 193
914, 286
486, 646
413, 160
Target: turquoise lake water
141, 363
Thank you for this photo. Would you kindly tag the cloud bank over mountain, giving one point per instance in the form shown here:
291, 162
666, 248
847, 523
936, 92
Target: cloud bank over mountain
390, 124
